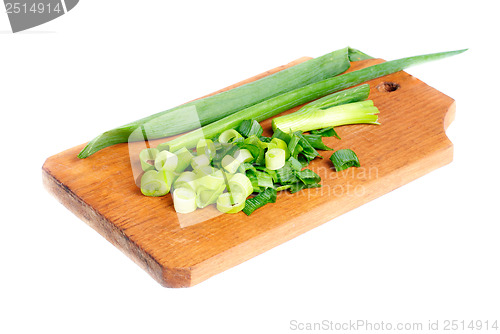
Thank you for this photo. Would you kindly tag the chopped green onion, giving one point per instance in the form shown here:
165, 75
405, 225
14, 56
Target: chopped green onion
275, 158
280, 143
156, 183
282, 135
285, 187
255, 182
307, 176
230, 164
240, 183
230, 202
300, 186
264, 180
200, 161
186, 180
326, 132
243, 155
255, 141
209, 177
343, 159
184, 158
250, 128
316, 141
207, 147
293, 145
229, 136
184, 200
286, 174
147, 158
166, 160
252, 204
295, 164
253, 149
308, 150
206, 196
247, 167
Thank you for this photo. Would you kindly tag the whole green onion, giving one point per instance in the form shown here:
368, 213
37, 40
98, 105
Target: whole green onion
215, 107
277, 104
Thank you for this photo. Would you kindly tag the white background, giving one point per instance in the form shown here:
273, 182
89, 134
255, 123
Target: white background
426, 251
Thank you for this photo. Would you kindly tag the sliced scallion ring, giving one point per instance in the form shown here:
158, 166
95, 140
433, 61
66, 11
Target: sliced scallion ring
184, 200
243, 155
186, 180
230, 164
209, 177
207, 147
229, 136
275, 158
230, 202
200, 161
166, 160
184, 159
206, 196
154, 183
240, 183
147, 158
281, 144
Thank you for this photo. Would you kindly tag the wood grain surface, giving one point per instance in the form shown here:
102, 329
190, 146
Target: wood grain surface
101, 189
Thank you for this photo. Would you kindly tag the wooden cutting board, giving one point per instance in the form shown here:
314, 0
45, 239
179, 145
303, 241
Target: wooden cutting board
101, 189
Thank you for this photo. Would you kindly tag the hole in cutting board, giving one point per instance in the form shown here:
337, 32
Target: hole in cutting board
388, 87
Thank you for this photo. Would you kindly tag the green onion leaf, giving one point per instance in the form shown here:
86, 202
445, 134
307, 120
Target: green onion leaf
295, 164
265, 139
255, 182
343, 159
326, 132
244, 167
286, 174
307, 176
267, 196
300, 186
277, 133
264, 180
307, 150
250, 128
316, 141
293, 145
